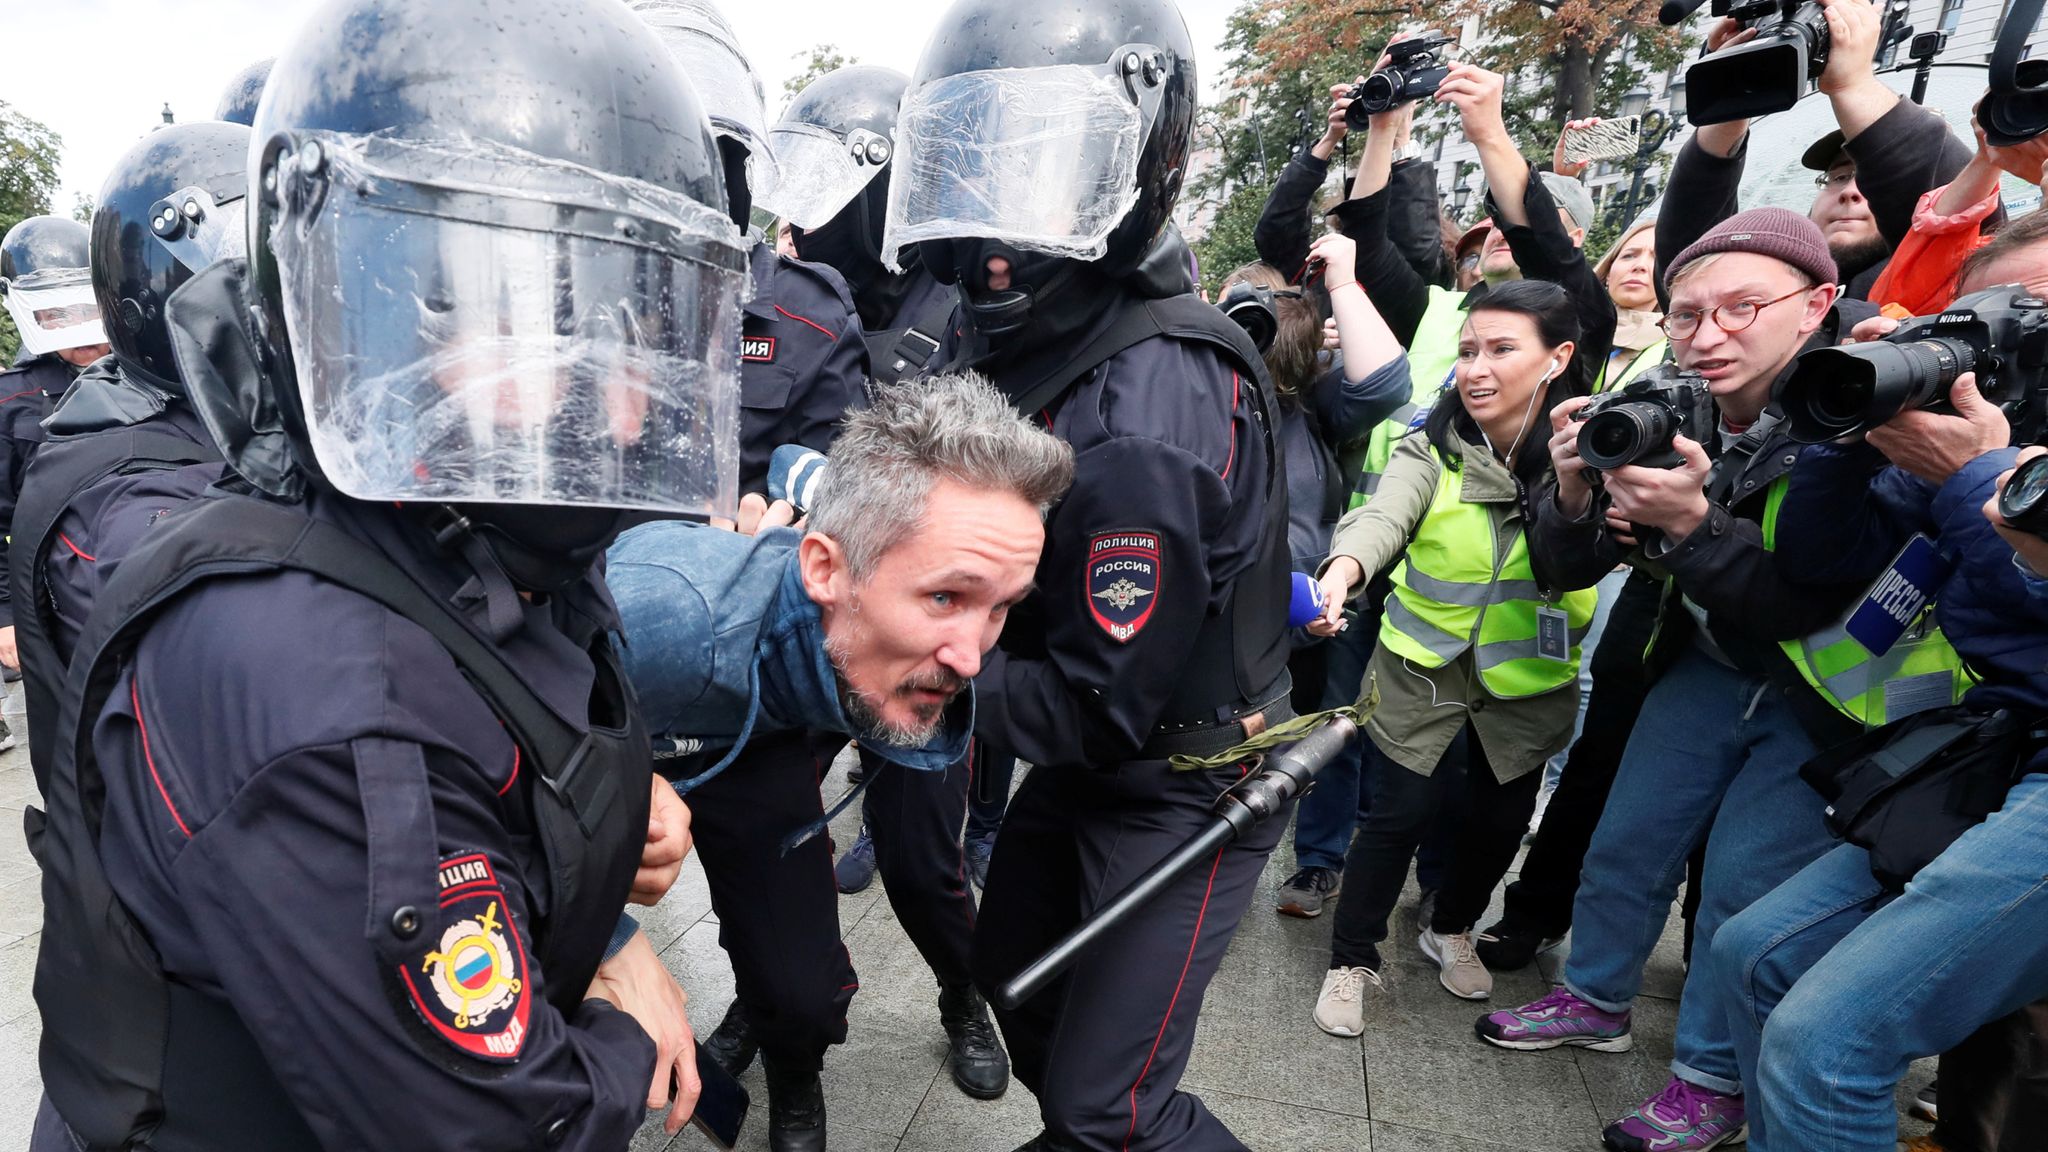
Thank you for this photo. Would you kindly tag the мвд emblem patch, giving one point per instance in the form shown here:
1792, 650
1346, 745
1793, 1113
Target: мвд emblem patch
1123, 581
470, 983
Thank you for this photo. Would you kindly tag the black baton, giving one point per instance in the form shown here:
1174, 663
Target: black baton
1280, 777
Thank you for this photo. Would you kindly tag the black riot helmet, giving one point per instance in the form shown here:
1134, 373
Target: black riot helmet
239, 99
704, 44
490, 252
833, 147
47, 285
173, 205
1048, 134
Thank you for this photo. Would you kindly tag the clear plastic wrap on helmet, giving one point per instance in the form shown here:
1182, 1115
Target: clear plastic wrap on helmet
1044, 159
198, 231
472, 324
821, 171
54, 309
699, 39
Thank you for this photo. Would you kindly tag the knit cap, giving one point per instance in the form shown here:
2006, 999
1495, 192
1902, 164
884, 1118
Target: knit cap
1776, 232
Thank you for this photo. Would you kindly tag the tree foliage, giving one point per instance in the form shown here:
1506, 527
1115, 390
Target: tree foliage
821, 59
29, 155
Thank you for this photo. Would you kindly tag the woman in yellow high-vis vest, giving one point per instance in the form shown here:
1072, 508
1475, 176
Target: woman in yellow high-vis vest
1477, 660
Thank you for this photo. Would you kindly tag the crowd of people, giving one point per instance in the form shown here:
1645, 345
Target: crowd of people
436, 509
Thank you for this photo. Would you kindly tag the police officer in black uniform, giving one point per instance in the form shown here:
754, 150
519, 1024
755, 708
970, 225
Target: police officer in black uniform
239, 99
1158, 627
124, 445
46, 279
334, 846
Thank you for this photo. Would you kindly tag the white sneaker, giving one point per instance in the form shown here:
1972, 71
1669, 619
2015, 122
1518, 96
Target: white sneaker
1461, 972
1340, 1008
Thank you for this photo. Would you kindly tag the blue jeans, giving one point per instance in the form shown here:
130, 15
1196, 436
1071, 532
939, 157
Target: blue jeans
1832, 991
1325, 818
1710, 738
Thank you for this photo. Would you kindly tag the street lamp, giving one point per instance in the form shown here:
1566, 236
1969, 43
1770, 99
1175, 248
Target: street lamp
1674, 94
1635, 101
1460, 196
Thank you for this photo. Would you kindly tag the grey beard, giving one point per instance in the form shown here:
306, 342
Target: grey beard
864, 712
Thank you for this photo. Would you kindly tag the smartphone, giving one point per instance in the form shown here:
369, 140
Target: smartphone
722, 1107
1607, 140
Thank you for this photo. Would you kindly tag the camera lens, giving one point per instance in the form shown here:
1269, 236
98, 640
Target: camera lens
1837, 392
1381, 91
1625, 434
2024, 503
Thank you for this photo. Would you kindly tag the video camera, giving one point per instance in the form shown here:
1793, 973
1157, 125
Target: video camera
2015, 109
1415, 68
1637, 423
1769, 73
2001, 334
1252, 307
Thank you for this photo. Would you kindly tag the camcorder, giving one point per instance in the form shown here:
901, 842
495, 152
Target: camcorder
2024, 503
1415, 68
2015, 108
2001, 334
1768, 74
1637, 423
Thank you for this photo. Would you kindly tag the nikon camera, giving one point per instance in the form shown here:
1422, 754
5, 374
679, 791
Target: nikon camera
1636, 423
2001, 334
1415, 68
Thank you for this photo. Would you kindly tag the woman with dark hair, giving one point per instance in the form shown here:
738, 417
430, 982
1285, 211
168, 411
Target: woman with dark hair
1477, 655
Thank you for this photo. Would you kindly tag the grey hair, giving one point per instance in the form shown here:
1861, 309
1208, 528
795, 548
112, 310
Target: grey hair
889, 455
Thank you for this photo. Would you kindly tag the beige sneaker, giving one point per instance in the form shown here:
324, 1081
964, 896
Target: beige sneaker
1340, 1008
1463, 975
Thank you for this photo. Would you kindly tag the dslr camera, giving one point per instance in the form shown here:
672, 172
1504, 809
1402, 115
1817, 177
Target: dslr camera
1414, 69
2024, 503
1637, 423
1768, 74
2001, 334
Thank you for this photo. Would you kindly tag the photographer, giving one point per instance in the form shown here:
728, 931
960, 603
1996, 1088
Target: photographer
1961, 945
1282, 236
1727, 721
1873, 171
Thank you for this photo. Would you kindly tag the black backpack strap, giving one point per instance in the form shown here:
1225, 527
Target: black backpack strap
903, 353
60, 471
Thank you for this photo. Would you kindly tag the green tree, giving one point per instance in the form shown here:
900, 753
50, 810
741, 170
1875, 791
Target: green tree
29, 154
1227, 245
822, 58
81, 208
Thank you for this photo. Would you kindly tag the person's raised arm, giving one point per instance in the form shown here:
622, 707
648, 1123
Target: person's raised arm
1476, 94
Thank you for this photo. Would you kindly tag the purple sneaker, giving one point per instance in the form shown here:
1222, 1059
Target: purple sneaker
1555, 1021
1681, 1118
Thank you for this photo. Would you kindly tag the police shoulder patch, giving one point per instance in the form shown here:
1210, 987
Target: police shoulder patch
1123, 582
468, 980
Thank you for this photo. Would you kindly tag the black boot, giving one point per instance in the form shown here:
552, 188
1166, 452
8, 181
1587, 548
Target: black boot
732, 1045
796, 1109
980, 1066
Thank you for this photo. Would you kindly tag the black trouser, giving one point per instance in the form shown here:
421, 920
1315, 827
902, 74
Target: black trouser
1103, 1048
778, 915
1541, 899
990, 795
1994, 1086
1405, 806
914, 819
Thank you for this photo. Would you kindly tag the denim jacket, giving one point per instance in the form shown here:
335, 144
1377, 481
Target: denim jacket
720, 641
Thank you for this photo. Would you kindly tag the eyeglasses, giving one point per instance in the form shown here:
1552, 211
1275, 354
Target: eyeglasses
1727, 317
1835, 181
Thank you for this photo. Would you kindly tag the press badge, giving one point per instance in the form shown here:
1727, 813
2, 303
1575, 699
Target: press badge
1899, 596
1553, 633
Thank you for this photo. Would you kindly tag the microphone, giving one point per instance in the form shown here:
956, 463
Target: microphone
1307, 601
1675, 11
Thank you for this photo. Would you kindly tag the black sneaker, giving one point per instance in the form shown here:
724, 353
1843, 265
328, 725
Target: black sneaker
1507, 948
1923, 1104
1307, 891
732, 1044
796, 1109
980, 1066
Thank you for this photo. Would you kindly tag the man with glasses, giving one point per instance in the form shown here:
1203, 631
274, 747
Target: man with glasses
1873, 169
1729, 719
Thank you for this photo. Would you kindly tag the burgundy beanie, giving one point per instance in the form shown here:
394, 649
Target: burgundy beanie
1776, 232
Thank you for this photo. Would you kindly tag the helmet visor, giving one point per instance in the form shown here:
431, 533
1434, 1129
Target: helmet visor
1044, 159
822, 172
698, 39
55, 310
477, 325
198, 231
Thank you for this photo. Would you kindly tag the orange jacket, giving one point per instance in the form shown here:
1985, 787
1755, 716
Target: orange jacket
1921, 279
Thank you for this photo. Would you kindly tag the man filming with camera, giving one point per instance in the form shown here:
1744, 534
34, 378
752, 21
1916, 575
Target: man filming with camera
1953, 799
1729, 719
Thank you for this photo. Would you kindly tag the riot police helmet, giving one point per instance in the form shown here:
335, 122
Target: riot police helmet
46, 282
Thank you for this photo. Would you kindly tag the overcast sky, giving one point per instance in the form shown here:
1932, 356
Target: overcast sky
99, 72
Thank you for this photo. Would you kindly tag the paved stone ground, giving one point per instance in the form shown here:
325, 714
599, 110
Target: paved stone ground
1418, 1081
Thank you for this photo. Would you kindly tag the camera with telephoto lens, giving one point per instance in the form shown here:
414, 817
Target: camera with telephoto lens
2024, 502
2001, 334
1415, 68
1636, 423
1767, 74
